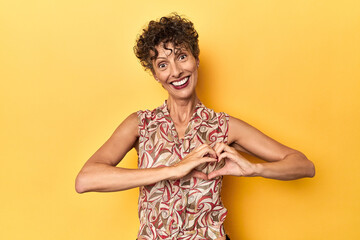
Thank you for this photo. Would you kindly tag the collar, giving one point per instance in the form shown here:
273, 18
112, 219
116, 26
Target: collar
201, 113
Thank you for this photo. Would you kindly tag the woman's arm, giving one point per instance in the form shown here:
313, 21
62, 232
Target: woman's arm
100, 173
283, 163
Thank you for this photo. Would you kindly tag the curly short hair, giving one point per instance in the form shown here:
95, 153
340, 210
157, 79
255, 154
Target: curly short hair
170, 29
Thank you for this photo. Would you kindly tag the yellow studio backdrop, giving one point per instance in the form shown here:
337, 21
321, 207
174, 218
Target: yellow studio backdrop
69, 78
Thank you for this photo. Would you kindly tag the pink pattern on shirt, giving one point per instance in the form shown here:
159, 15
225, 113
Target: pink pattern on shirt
185, 208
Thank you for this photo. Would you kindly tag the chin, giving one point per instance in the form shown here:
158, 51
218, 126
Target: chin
185, 93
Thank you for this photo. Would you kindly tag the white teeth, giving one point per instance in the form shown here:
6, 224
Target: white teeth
179, 83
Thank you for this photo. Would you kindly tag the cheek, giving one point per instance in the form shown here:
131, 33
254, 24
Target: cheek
195, 70
193, 66
162, 76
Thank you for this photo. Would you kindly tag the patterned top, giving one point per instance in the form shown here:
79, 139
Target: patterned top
185, 208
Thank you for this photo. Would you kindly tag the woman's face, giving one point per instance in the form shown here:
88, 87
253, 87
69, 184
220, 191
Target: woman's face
176, 69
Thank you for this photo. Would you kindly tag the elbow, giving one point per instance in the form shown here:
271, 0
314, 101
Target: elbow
80, 184
311, 169
307, 167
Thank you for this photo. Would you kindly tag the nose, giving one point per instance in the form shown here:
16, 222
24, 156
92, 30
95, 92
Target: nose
177, 70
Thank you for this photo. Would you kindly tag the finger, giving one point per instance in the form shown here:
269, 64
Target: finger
199, 174
227, 148
222, 156
217, 173
219, 148
207, 159
211, 152
218, 144
226, 155
207, 151
205, 145
201, 148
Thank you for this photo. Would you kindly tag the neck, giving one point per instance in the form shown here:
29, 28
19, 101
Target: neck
181, 110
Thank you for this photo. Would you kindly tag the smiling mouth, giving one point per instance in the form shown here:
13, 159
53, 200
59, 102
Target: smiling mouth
180, 84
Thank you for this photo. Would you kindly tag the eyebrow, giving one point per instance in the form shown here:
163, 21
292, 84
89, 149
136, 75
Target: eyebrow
176, 52
160, 57
180, 50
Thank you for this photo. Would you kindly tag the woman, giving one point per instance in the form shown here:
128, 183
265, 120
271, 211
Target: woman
184, 147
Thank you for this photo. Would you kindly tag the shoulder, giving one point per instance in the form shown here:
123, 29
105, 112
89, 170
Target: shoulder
221, 117
129, 125
139, 119
144, 117
219, 121
211, 114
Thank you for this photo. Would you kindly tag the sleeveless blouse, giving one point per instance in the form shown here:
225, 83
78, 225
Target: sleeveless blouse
187, 208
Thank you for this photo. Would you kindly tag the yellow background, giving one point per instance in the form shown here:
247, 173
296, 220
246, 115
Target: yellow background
69, 77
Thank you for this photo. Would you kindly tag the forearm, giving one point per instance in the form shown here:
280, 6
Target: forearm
99, 177
293, 166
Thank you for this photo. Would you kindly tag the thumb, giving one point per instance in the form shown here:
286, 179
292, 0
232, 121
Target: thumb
217, 173
198, 174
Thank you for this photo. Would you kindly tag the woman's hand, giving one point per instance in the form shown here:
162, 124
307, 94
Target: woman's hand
186, 167
235, 164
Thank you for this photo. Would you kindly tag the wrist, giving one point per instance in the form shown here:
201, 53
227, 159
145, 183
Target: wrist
170, 172
258, 169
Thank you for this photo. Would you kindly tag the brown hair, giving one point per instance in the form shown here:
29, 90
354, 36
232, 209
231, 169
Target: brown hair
171, 29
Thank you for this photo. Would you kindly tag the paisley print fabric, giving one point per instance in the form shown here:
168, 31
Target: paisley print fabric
188, 208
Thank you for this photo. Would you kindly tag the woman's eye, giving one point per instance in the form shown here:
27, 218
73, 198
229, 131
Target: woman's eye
162, 65
182, 57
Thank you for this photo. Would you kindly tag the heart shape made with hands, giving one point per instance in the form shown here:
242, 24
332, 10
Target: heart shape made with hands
228, 162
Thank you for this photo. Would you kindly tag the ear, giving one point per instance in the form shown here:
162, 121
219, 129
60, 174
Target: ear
197, 62
154, 75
